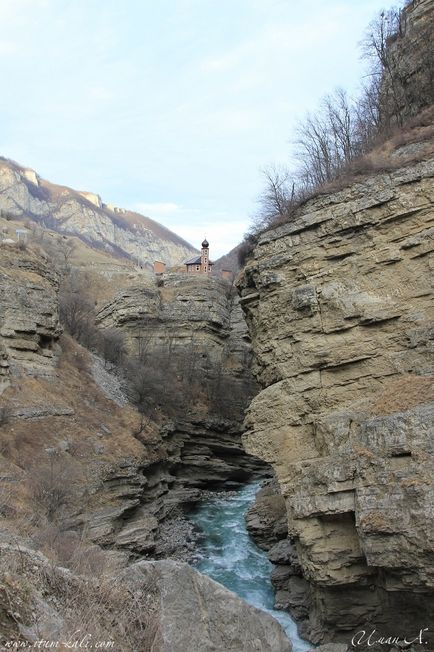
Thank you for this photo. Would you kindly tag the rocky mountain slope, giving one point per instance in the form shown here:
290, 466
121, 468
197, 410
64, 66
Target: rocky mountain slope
339, 304
81, 483
408, 83
114, 230
57, 399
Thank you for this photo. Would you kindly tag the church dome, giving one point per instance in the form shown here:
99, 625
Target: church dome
205, 244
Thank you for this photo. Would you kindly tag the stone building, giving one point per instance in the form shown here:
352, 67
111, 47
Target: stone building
200, 264
159, 267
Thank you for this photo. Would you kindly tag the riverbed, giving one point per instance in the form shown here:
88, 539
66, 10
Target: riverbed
228, 555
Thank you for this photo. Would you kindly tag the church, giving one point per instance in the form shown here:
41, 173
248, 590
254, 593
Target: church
200, 264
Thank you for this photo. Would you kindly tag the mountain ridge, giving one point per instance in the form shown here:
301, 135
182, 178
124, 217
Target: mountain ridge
122, 232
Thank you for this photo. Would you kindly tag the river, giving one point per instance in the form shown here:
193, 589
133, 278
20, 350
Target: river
228, 555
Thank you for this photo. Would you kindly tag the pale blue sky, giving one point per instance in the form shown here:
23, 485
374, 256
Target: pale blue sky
170, 107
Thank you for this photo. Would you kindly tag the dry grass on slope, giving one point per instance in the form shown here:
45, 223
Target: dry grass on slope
69, 422
51, 468
41, 601
406, 146
404, 394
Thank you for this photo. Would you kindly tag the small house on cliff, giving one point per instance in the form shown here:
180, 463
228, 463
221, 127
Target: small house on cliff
200, 264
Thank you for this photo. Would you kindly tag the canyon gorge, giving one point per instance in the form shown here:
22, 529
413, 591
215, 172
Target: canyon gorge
163, 431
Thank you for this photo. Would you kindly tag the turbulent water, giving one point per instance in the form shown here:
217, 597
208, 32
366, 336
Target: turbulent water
229, 556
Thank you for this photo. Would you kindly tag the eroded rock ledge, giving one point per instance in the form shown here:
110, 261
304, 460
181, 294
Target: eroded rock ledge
29, 327
58, 403
339, 304
198, 321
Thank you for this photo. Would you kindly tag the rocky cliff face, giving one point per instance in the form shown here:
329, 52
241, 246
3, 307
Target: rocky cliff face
339, 304
408, 81
29, 324
52, 407
61, 402
193, 327
24, 194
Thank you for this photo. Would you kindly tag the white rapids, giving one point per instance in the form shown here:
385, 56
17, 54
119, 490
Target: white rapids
228, 555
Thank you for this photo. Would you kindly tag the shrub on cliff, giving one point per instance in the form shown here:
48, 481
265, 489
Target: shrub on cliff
245, 249
77, 310
53, 485
4, 416
111, 345
332, 143
77, 316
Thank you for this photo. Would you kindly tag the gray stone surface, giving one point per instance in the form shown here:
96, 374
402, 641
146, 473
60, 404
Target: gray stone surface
199, 614
266, 518
110, 383
339, 303
29, 323
167, 607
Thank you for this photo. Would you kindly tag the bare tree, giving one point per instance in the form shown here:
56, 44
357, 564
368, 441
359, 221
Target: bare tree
340, 116
400, 83
141, 388
368, 113
111, 344
77, 310
65, 249
52, 484
328, 140
376, 49
314, 151
277, 195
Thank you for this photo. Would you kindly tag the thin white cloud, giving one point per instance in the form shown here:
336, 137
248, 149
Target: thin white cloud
173, 107
193, 224
100, 93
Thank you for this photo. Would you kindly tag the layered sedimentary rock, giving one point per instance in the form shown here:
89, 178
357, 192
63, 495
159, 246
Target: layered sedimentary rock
192, 326
266, 518
29, 324
407, 85
195, 326
197, 613
51, 408
58, 404
23, 194
339, 303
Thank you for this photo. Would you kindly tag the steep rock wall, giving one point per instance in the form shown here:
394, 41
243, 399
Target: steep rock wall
162, 606
408, 80
196, 321
58, 405
339, 304
51, 407
29, 323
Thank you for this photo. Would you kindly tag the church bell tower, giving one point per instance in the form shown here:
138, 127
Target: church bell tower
204, 258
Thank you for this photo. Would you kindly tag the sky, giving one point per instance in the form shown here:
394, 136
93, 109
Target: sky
171, 107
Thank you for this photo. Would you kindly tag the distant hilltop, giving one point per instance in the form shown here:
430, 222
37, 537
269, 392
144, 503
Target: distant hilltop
120, 232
